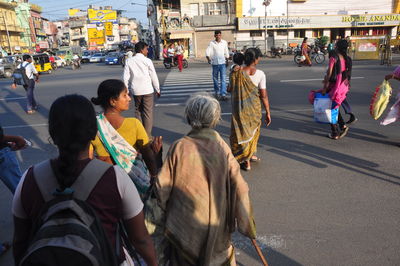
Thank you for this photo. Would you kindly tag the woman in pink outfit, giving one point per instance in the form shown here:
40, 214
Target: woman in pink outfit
337, 83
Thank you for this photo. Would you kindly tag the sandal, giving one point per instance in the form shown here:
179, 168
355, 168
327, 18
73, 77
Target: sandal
344, 132
255, 159
30, 112
245, 166
332, 136
4, 247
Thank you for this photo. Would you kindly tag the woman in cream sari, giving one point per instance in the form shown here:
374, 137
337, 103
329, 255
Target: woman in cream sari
248, 88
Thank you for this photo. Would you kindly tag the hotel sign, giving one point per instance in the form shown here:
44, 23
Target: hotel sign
307, 22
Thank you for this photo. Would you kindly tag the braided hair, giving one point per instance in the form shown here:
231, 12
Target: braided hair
72, 125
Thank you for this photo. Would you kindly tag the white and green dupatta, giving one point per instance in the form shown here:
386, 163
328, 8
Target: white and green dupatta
123, 154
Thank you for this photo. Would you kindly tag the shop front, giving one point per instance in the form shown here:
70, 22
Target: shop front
292, 29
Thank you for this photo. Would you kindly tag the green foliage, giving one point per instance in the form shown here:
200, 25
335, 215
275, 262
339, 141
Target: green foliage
322, 40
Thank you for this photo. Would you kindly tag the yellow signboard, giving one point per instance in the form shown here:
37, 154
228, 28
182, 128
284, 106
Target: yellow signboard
109, 28
367, 49
96, 36
105, 15
72, 12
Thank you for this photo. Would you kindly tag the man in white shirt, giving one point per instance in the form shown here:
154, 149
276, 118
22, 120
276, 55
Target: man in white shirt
32, 76
141, 79
217, 55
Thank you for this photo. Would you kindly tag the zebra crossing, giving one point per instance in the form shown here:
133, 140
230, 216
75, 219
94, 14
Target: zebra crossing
179, 86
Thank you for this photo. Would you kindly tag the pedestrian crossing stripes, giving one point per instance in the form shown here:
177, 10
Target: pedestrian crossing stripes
179, 86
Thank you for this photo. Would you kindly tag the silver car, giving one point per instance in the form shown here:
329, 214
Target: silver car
97, 58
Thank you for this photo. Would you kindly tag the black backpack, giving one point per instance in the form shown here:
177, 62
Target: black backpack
20, 77
68, 231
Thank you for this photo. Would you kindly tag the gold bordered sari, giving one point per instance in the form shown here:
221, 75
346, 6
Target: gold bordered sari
246, 116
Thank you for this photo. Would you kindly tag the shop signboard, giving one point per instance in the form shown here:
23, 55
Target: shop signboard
101, 16
109, 28
367, 49
309, 22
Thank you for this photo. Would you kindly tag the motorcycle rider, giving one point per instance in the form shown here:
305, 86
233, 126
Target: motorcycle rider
77, 60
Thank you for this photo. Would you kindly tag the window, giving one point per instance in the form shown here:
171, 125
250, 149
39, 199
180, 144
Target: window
299, 33
215, 8
256, 33
359, 32
317, 33
380, 31
281, 32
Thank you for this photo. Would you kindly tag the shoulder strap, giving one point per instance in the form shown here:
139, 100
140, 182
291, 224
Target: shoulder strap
83, 185
45, 179
88, 179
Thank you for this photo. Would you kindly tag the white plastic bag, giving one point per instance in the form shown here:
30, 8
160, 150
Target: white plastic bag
323, 112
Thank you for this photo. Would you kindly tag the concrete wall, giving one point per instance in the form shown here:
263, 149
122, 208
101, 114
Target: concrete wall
203, 38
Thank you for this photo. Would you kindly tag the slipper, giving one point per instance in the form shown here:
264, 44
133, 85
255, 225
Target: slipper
332, 137
245, 166
30, 112
344, 132
4, 247
255, 159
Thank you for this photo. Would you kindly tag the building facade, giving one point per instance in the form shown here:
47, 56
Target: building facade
290, 21
10, 30
194, 21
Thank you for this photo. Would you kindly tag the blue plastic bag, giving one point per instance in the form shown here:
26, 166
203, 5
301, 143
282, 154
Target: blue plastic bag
323, 111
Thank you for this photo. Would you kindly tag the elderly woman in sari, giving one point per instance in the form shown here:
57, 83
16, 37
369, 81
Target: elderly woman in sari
248, 88
202, 192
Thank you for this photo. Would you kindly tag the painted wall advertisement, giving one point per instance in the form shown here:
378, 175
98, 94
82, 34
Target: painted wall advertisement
101, 16
307, 22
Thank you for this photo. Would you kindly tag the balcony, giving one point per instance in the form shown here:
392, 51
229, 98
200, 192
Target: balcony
77, 36
210, 20
124, 32
76, 24
123, 21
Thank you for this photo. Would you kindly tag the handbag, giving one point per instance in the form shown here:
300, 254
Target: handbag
323, 111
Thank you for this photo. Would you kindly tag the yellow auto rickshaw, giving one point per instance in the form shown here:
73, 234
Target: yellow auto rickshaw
42, 63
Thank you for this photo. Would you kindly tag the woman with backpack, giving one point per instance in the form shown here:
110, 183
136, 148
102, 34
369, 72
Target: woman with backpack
337, 84
104, 194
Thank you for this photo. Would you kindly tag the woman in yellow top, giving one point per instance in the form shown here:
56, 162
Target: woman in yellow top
119, 137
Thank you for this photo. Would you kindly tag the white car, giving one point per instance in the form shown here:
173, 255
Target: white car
97, 58
60, 61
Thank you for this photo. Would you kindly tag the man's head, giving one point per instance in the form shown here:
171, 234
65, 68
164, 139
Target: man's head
218, 35
27, 58
141, 47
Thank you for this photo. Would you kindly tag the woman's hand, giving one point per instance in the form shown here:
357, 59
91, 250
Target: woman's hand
156, 144
268, 119
390, 76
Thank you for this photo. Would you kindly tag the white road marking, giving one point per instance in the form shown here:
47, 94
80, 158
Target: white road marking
301, 80
22, 126
10, 99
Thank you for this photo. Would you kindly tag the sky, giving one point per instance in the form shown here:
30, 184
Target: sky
58, 9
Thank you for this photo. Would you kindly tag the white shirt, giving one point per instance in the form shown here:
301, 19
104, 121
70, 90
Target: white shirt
217, 52
259, 79
75, 57
29, 69
171, 52
140, 76
179, 50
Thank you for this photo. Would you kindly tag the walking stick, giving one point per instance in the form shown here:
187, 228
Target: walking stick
258, 249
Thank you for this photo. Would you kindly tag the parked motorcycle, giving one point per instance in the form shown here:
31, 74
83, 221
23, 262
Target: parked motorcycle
173, 62
276, 52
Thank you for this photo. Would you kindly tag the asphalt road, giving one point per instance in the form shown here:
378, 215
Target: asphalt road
316, 201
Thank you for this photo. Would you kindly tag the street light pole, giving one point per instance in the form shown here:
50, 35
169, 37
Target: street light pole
266, 3
287, 25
